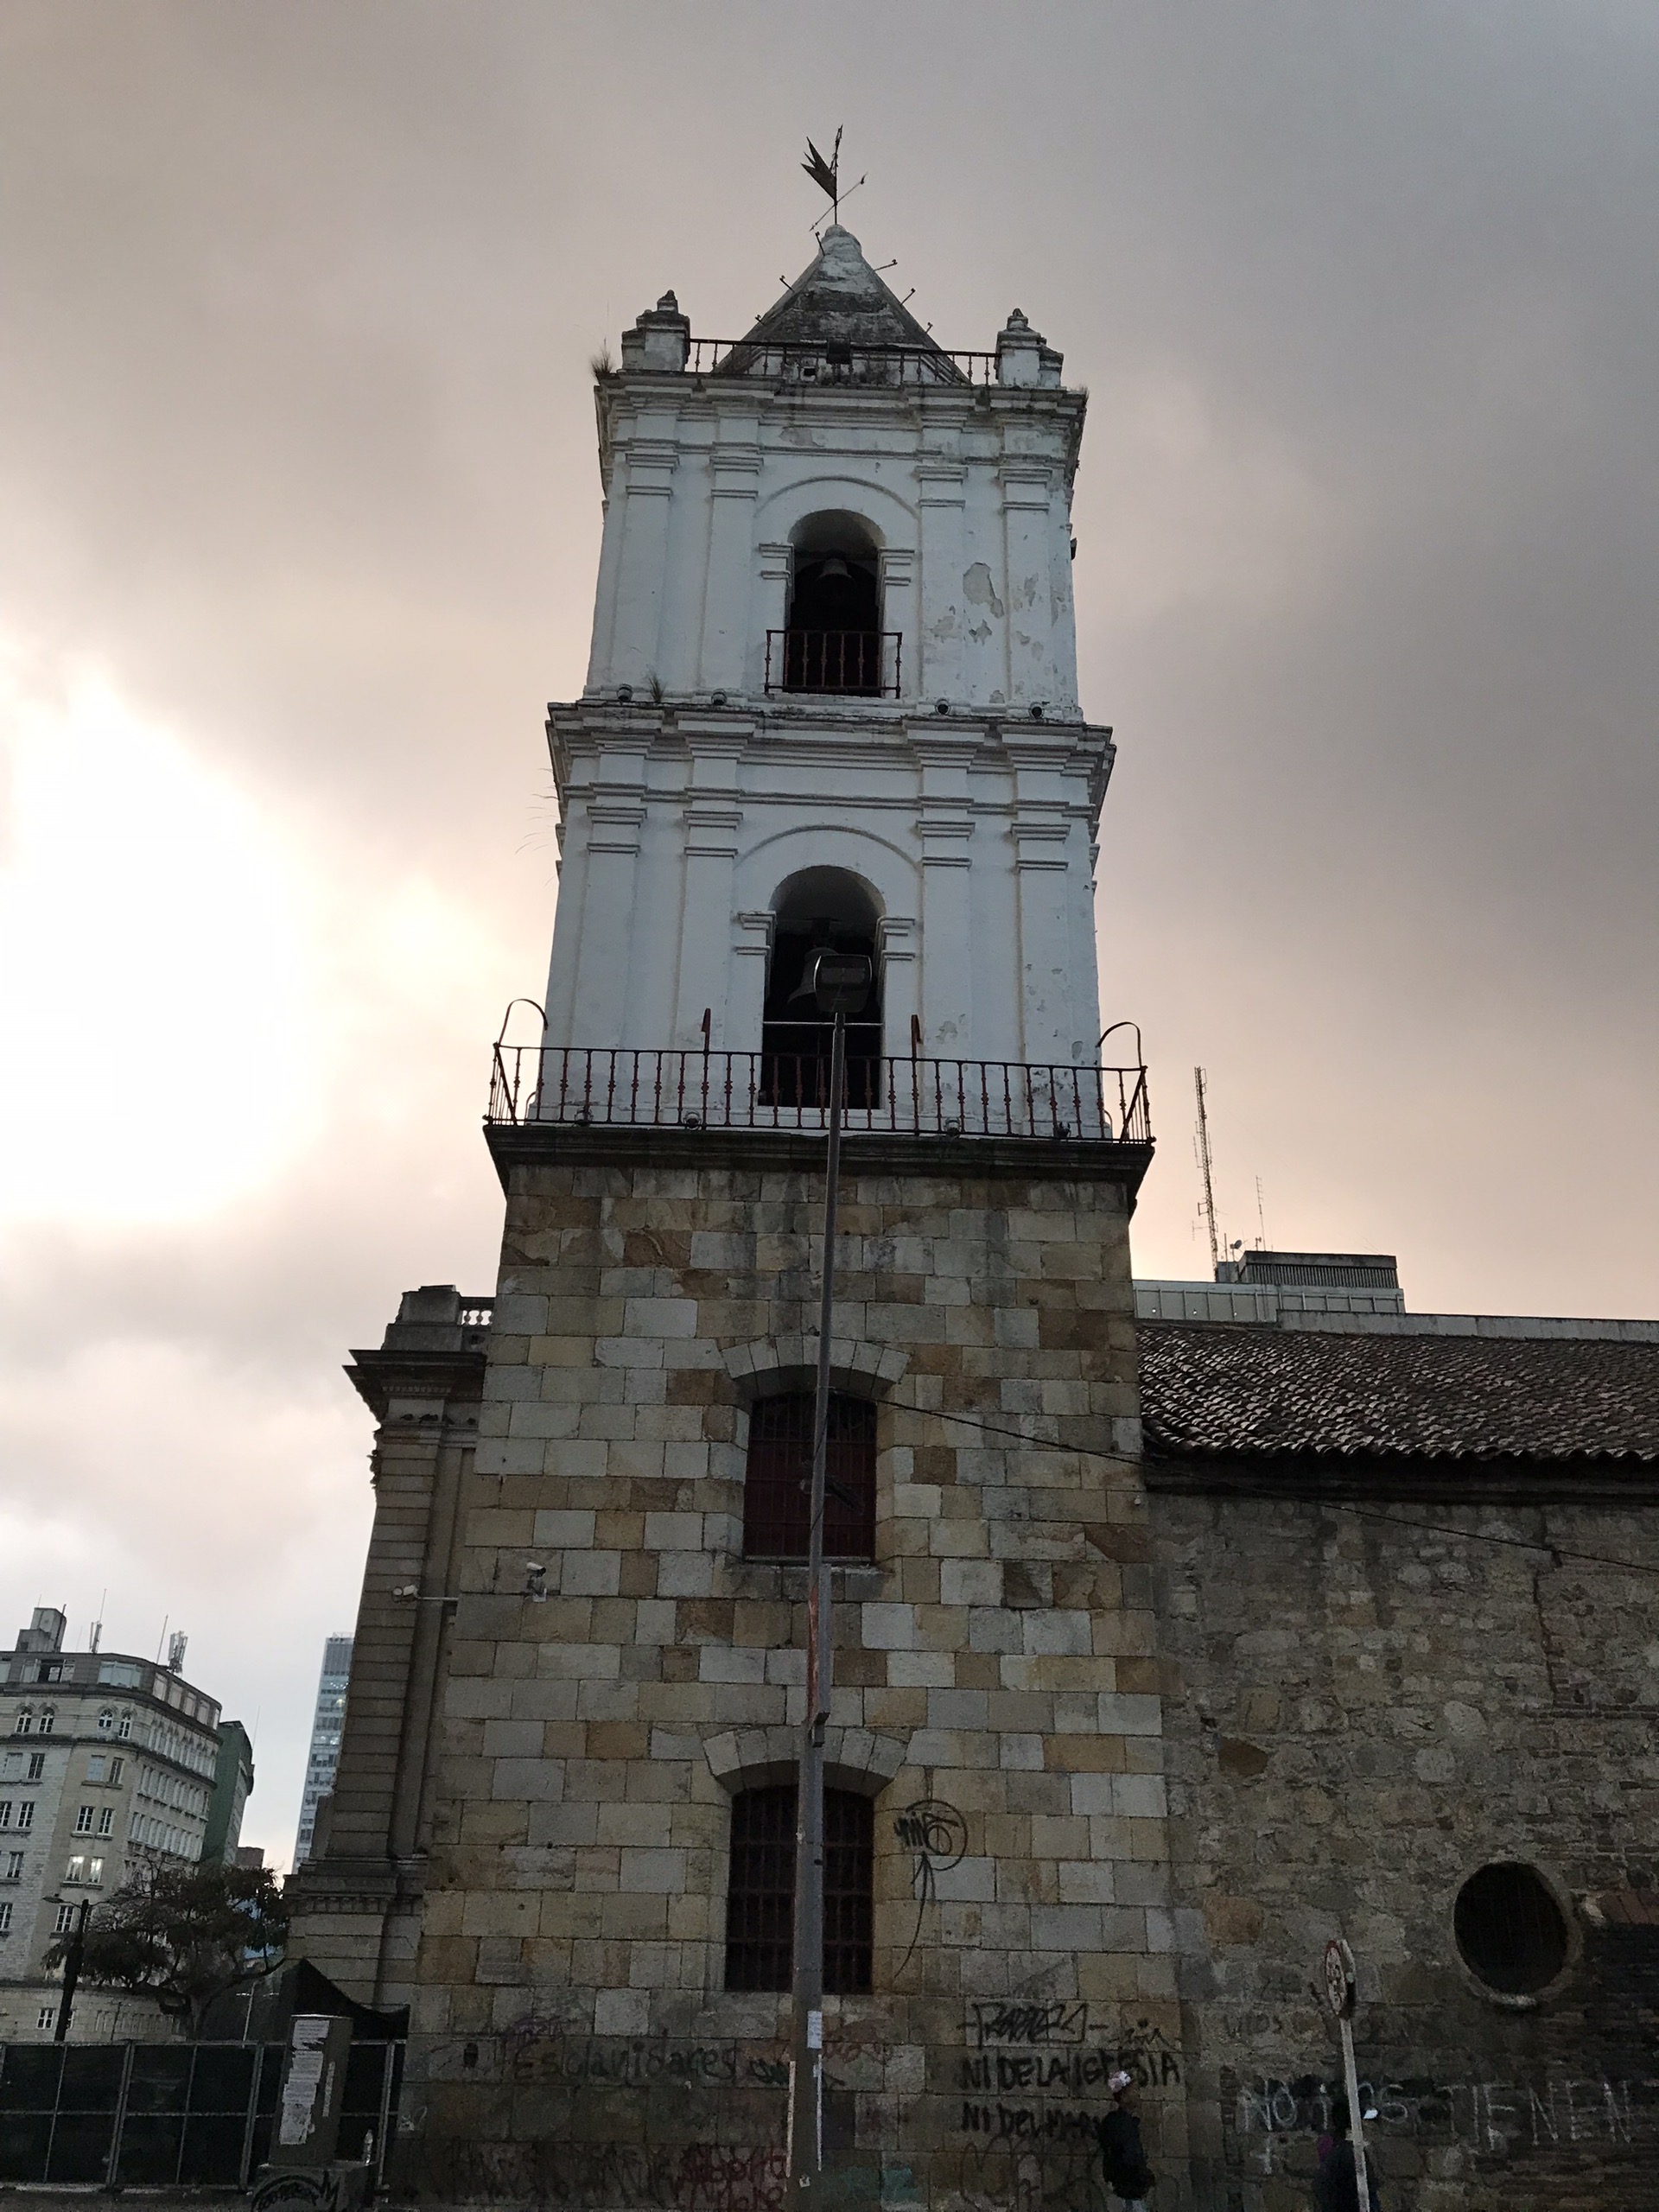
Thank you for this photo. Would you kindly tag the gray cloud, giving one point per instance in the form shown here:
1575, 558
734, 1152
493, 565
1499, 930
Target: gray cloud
295, 442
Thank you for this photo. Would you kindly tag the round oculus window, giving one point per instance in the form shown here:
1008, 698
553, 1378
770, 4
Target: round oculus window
1510, 1930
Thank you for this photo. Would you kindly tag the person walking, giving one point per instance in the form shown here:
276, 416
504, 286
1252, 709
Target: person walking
1336, 2185
1122, 2154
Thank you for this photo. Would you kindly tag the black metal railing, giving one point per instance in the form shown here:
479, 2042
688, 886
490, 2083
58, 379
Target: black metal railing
630, 1087
863, 662
826, 361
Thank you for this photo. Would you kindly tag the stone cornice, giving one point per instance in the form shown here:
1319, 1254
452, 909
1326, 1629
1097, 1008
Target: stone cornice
380, 1376
518, 1147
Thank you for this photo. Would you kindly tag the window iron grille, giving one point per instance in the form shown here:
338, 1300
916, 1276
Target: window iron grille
777, 1489
761, 1894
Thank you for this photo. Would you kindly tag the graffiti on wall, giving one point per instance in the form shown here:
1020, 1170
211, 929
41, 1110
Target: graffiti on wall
545, 2052
1498, 2118
677, 2177
1058, 2048
936, 1836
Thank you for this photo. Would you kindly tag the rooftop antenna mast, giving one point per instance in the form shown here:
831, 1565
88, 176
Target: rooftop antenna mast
1206, 1177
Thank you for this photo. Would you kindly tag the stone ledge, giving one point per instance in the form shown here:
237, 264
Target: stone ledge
960, 1159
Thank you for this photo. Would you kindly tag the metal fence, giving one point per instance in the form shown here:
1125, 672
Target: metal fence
827, 361
863, 663
170, 2115
692, 1090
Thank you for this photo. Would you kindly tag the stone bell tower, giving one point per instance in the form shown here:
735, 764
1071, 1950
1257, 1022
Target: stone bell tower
831, 699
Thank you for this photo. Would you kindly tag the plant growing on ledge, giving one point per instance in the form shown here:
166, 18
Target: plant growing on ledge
183, 1934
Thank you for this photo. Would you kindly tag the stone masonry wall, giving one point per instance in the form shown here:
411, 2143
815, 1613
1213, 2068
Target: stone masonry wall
1367, 1713
572, 2041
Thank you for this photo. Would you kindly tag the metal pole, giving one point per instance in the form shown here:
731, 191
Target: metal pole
74, 1954
1351, 2079
806, 2059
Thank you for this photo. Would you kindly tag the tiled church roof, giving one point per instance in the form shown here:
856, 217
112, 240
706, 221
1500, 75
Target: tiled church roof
1251, 1390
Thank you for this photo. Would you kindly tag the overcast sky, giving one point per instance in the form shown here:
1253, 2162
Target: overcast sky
298, 520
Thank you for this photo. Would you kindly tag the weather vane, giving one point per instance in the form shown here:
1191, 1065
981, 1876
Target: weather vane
827, 177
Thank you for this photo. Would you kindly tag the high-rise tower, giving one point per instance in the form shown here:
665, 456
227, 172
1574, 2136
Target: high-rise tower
832, 701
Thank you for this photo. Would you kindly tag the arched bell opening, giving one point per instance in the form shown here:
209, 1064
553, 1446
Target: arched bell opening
833, 641
820, 910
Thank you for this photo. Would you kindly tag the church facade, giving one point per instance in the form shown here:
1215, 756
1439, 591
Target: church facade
1132, 1712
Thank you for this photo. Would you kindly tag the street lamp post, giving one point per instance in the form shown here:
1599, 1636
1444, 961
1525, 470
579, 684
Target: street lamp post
74, 1952
841, 984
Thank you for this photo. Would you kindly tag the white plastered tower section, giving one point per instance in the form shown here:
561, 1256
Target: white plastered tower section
699, 775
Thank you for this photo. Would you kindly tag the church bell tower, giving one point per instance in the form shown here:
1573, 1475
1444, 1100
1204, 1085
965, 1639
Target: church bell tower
832, 691
831, 701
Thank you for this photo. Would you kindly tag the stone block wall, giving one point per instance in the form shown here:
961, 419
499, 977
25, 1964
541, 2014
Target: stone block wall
572, 2039
1370, 1707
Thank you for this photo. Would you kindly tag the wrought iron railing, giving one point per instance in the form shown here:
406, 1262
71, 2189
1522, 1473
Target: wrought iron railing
633, 1088
864, 662
826, 361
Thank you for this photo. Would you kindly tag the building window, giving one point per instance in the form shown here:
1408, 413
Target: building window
820, 910
47, 1722
6, 1812
94, 1872
5, 1919
83, 1819
106, 1821
46, 2018
37, 1766
50, 1670
1511, 1932
74, 1871
123, 1726
116, 1766
26, 1816
13, 1865
64, 1921
107, 1721
760, 1893
25, 1721
777, 1488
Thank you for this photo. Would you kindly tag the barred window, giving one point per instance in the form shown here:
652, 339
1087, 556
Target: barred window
761, 1896
776, 1491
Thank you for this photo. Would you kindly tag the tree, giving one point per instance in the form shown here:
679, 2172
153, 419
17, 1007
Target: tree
183, 1934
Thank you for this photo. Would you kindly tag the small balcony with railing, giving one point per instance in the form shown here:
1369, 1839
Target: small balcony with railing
632, 1087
